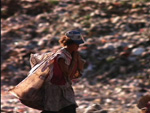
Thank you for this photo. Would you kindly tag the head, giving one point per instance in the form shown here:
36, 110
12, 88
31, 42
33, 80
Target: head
71, 40
144, 104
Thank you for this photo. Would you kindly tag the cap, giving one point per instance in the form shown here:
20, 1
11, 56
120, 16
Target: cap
75, 36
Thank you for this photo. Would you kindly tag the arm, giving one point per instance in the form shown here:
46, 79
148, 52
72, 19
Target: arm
67, 70
81, 63
80, 66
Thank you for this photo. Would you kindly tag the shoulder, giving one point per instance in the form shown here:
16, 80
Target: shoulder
64, 58
61, 61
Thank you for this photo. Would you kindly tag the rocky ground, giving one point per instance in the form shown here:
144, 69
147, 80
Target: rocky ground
117, 49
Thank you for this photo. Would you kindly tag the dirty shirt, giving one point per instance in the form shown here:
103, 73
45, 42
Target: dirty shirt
58, 91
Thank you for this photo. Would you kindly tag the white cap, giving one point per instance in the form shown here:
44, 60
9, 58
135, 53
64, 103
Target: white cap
75, 36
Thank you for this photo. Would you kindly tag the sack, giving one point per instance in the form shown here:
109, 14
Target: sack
31, 91
35, 99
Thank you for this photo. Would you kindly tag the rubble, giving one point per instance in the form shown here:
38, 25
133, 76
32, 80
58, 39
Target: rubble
117, 49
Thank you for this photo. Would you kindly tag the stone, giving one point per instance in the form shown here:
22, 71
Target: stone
92, 108
138, 51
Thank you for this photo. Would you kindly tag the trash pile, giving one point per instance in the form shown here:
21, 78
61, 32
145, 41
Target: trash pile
117, 49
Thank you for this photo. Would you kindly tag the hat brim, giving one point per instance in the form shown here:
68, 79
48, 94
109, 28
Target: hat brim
78, 41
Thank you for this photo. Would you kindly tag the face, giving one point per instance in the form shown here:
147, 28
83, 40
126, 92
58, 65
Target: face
74, 47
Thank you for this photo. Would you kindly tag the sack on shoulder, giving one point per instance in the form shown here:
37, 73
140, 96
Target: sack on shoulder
30, 91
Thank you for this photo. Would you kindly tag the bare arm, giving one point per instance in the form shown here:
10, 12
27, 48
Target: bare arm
67, 70
80, 63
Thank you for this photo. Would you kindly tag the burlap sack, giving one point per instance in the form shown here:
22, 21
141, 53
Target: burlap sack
31, 91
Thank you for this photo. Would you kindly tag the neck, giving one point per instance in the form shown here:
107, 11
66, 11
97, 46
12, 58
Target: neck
69, 50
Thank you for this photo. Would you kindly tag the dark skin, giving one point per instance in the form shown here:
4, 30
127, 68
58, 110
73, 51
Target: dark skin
67, 70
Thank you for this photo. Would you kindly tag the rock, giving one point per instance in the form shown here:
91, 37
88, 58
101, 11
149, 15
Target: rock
101, 111
109, 46
92, 108
17, 79
138, 51
20, 109
132, 58
117, 71
116, 19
